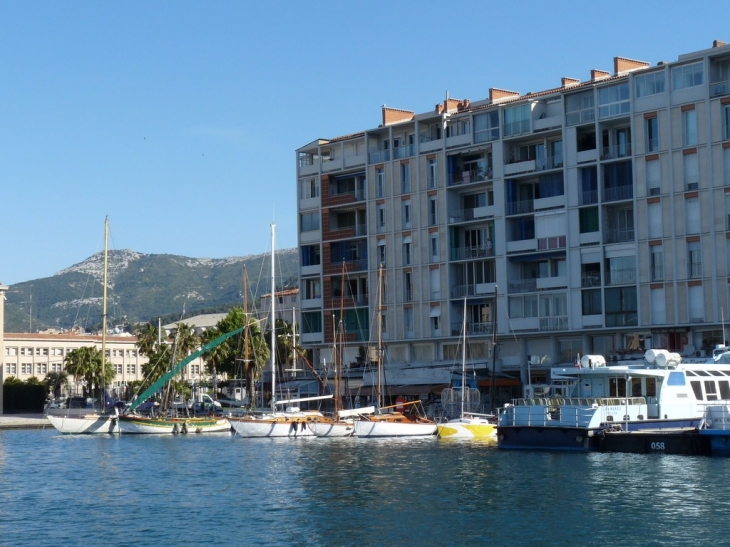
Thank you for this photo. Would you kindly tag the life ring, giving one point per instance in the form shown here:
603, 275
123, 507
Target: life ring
400, 404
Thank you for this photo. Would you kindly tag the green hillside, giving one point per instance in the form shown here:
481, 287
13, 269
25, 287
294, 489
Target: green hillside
142, 288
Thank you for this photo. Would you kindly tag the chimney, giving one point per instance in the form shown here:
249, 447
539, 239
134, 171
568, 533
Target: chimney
718, 43
394, 115
621, 65
568, 82
496, 94
599, 75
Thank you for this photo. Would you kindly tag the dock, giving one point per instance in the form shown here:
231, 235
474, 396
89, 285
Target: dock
24, 421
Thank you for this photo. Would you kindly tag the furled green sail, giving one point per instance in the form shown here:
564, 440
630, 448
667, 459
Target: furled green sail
155, 387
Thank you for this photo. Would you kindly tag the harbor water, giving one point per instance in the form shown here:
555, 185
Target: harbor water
218, 489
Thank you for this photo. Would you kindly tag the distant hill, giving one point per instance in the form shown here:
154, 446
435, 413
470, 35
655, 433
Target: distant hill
142, 287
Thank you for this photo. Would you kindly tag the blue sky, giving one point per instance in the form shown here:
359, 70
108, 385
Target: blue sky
179, 119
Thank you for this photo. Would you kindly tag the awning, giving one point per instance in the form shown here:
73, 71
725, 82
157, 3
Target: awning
435, 311
408, 239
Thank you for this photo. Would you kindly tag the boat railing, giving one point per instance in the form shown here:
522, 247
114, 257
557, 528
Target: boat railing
570, 411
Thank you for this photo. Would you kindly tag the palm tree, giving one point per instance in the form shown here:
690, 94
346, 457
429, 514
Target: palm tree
147, 339
86, 363
55, 381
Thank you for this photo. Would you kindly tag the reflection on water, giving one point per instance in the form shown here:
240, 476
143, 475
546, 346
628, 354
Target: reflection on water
224, 490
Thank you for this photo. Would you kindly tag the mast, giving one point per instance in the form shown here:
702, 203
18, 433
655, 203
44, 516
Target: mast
273, 320
494, 351
246, 370
102, 395
338, 347
463, 360
379, 393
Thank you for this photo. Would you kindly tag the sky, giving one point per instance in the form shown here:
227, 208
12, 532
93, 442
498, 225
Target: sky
179, 120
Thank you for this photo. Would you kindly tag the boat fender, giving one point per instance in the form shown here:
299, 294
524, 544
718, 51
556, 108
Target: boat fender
304, 426
175, 429
184, 429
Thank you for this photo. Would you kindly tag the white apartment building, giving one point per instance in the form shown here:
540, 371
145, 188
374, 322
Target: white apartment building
595, 216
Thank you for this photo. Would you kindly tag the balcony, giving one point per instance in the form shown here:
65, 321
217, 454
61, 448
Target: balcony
460, 291
554, 323
554, 282
586, 156
625, 276
521, 286
379, 156
519, 167
467, 177
471, 329
590, 279
474, 213
523, 207
406, 151
622, 235
343, 198
588, 197
615, 152
428, 144
618, 193
468, 253
549, 243
718, 89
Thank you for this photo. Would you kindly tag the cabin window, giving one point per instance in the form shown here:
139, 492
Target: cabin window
676, 379
651, 387
724, 389
617, 387
636, 387
697, 388
710, 390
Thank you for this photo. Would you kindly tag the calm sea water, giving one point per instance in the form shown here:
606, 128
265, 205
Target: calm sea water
223, 490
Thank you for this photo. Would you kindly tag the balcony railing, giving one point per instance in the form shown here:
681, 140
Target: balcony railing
613, 152
522, 285
471, 328
467, 177
621, 277
618, 193
521, 207
619, 235
404, 151
464, 215
554, 323
592, 279
379, 156
589, 197
466, 253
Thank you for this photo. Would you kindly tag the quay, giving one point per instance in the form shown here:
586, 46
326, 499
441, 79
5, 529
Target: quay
24, 421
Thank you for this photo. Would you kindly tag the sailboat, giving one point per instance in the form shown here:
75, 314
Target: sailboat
292, 422
387, 421
341, 423
468, 425
91, 423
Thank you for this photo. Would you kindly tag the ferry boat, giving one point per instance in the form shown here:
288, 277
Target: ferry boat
660, 392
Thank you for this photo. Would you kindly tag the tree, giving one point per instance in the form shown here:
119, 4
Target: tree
86, 363
54, 381
147, 339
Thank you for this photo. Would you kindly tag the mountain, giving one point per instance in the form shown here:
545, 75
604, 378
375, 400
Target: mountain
142, 287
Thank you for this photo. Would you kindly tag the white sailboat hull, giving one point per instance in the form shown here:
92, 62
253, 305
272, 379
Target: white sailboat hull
332, 429
270, 427
365, 428
88, 424
467, 428
141, 425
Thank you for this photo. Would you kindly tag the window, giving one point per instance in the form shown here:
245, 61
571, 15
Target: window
311, 322
579, 108
691, 172
433, 173
407, 251
516, 120
309, 222
621, 307
407, 287
380, 213
41, 368
486, 127
654, 214
658, 306
26, 368
408, 321
588, 220
523, 307
309, 188
649, 84
405, 178
694, 259
435, 284
657, 263
433, 209
613, 100
312, 288
654, 177
726, 122
407, 214
621, 270
652, 134
310, 255
434, 247
686, 76
380, 182
689, 127
696, 303
381, 253
591, 302
692, 215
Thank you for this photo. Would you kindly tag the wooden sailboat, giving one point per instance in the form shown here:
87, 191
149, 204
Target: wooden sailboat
90, 423
291, 422
387, 421
468, 425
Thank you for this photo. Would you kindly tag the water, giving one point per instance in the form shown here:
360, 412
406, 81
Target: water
223, 490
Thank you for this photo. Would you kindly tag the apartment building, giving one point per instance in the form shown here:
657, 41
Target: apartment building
591, 218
